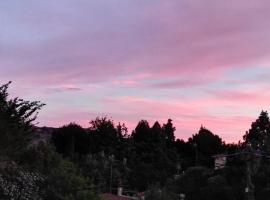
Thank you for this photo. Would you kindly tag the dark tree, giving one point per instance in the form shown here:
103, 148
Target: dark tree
186, 153
105, 137
157, 135
257, 139
16, 122
122, 131
169, 130
71, 139
258, 134
206, 145
32, 171
141, 132
151, 161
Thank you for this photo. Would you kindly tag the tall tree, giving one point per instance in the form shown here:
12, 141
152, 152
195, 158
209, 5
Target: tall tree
157, 135
105, 136
151, 161
16, 122
259, 133
257, 141
207, 144
169, 130
32, 172
141, 132
70, 139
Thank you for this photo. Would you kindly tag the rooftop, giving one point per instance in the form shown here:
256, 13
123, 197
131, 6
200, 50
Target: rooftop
108, 196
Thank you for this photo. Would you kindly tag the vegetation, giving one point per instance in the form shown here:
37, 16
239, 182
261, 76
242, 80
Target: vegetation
78, 163
29, 171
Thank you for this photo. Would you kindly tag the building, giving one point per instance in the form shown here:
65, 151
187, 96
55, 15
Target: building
108, 196
120, 196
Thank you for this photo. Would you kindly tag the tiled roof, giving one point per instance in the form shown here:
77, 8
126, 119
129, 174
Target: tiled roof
107, 196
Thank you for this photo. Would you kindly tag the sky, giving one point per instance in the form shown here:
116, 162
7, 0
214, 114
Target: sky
196, 62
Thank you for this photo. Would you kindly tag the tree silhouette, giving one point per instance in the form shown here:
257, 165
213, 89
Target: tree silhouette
168, 130
16, 122
104, 136
29, 170
152, 161
71, 139
259, 133
141, 132
207, 145
157, 135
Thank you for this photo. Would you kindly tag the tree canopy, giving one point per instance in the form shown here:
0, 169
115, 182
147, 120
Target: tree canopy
16, 122
29, 171
77, 163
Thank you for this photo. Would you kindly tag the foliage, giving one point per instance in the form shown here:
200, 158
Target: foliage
186, 153
105, 137
62, 178
155, 192
16, 123
258, 139
28, 171
104, 171
169, 130
154, 159
103, 156
71, 139
258, 134
206, 144
18, 183
200, 183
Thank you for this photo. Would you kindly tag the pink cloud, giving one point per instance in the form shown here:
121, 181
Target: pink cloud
219, 115
184, 39
140, 59
186, 119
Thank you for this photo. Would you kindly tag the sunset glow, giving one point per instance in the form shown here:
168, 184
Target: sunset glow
196, 62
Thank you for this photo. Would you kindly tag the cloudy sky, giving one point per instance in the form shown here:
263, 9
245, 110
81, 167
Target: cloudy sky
197, 62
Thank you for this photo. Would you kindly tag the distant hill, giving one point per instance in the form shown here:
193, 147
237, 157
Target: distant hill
43, 134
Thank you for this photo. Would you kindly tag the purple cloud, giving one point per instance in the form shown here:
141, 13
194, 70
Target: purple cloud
163, 51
